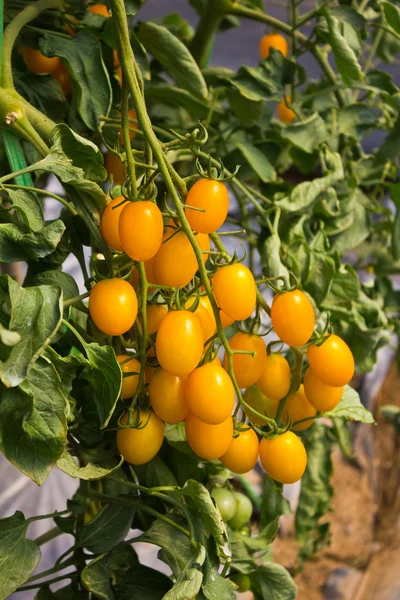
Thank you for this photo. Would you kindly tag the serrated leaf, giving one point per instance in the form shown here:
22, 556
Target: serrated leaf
63, 280
356, 120
345, 58
28, 207
89, 472
175, 545
257, 161
17, 245
36, 315
82, 153
271, 581
33, 423
108, 528
96, 578
219, 588
83, 58
350, 408
19, 556
174, 57
307, 134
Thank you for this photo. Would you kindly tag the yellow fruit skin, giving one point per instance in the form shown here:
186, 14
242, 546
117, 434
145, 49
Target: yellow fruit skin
323, 397
139, 446
298, 408
275, 380
284, 458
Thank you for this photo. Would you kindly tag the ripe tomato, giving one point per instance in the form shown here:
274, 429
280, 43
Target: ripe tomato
210, 394
155, 315
38, 62
62, 76
149, 268
285, 114
275, 380
110, 222
298, 407
284, 458
141, 229
205, 315
211, 196
129, 384
242, 581
131, 115
242, 454
167, 397
113, 306
226, 320
323, 397
208, 441
225, 501
332, 362
247, 369
179, 342
254, 397
99, 9
139, 446
235, 291
293, 317
175, 263
244, 510
273, 40
114, 167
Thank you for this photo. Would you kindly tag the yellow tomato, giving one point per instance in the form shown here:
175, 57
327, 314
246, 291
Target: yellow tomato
155, 316
323, 397
179, 342
273, 40
284, 458
285, 114
254, 397
110, 222
113, 306
235, 290
114, 167
208, 441
247, 368
332, 362
141, 229
298, 408
242, 453
212, 197
167, 396
175, 263
139, 446
275, 380
130, 383
210, 394
39, 63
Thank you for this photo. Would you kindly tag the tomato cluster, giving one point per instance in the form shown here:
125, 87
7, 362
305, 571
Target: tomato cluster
277, 41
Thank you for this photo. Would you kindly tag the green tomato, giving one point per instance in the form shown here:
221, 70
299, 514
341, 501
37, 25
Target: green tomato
244, 510
225, 501
242, 581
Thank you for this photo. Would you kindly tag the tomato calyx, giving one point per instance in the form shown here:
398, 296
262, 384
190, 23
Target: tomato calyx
216, 173
133, 422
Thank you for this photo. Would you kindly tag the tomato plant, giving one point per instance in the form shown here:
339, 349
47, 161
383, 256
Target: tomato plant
285, 267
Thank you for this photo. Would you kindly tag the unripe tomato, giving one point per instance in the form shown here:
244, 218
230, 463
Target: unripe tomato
275, 380
113, 306
284, 458
141, 229
210, 394
114, 167
235, 291
39, 63
205, 316
242, 581
62, 76
293, 317
129, 384
285, 114
254, 397
242, 454
179, 342
167, 397
99, 9
244, 510
225, 501
323, 397
273, 40
155, 315
139, 446
298, 407
208, 441
211, 196
332, 362
175, 263
110, 222
132, 116
247, 369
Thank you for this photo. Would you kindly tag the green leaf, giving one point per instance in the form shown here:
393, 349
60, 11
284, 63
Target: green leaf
307, 192
356, 120
155, 473
273, 504
350, 408
33, 423
187, 585
89, 472
392, 14
65, 281
175, 545
359, 230
108, 528
19, 556
342, 432
133, 6
174, 57
345, 58
82, 153
36, 315
345, 285
272, 582
346, 14
28, 207
96, 578
17, 245
219, 588
390, 148
257, 160
175, 96
143, 583
83, 59
271, 259
307, 134
44, 92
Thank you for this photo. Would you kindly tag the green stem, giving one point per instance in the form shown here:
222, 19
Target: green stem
130, 163
202, 43
143, 341
248, 488
34, 586
76, 299
296, 380
42, 193
12, 31
55, 569
48, 536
